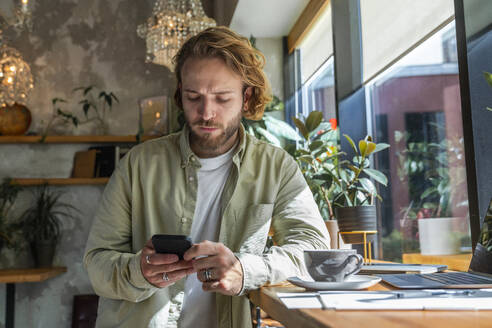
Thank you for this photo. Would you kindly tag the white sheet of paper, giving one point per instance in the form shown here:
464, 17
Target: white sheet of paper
382, 301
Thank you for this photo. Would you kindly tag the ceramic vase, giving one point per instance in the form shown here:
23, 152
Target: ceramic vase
437, 236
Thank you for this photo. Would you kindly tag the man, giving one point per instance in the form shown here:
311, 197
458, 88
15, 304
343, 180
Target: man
213, 182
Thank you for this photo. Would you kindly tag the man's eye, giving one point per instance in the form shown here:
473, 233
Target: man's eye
193, 98
223, 100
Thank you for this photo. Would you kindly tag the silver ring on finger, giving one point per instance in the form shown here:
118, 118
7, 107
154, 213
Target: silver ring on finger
207, 275
147, 259
165, 277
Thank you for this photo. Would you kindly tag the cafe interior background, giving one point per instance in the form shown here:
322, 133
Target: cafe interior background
409, 73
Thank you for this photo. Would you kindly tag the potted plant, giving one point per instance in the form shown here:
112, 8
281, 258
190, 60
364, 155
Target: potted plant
482, 257
342, 188
41, 225
8, 195
100, 105
435, 175
354, 192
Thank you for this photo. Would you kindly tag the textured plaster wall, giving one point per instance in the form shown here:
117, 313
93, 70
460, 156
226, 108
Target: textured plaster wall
74, 43
78, 43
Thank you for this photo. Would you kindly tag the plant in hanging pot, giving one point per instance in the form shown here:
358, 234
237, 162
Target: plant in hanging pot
41, 225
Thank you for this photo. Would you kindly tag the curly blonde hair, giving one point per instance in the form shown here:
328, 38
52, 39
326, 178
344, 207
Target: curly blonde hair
238, 54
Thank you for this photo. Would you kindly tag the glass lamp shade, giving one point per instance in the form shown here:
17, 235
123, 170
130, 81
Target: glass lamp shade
15, 77
171, 24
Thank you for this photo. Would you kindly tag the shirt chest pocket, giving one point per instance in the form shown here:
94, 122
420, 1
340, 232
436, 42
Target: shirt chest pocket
252, 224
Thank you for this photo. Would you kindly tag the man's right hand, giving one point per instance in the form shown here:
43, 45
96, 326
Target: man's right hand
162, 270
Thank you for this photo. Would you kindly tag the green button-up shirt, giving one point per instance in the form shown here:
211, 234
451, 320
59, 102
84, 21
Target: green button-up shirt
154, 190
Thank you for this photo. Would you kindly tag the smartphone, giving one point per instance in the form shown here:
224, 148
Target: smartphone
171, 244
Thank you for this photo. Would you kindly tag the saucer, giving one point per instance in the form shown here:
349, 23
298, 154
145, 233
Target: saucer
351, 283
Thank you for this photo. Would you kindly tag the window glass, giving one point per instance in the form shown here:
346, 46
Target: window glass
389, 28
318, 93
415, 107
317, 47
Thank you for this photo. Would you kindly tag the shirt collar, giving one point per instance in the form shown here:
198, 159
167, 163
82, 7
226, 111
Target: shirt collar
187, 155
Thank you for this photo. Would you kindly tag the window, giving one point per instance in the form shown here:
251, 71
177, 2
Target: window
317, 89
415, 107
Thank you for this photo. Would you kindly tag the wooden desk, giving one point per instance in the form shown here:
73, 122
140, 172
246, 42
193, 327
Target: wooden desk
268, 301
458, 262
13, 276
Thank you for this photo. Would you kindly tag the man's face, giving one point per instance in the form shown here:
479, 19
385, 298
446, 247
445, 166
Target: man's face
212, 96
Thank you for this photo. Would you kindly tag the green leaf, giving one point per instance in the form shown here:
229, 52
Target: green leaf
114, 97
313, 120
353, 168
323, 179
368, 185
306, 158
488, 77
109, 100
371, 146
56, 100
351, 142
428, 192
77, 89
315, 145
280, 128
376, 175
381, 146
302, 128
269, 137
87, 90
362, 147
85, 108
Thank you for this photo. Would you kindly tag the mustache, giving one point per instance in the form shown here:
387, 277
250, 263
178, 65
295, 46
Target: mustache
209, 123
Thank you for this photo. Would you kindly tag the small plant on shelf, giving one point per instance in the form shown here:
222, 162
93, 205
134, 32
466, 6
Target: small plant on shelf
41, 225
94, 108
8, 195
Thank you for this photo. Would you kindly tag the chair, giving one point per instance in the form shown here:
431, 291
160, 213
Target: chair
84, 311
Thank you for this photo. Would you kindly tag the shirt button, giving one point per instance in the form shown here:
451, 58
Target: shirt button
191, 178
192, 159
184, 220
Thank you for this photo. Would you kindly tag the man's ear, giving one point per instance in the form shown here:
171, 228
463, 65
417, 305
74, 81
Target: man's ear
248, 92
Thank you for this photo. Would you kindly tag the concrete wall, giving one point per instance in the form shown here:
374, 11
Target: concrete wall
74, 43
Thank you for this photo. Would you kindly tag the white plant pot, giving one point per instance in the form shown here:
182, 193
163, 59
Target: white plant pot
437, 236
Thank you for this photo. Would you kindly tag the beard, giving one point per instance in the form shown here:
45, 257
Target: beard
210, 143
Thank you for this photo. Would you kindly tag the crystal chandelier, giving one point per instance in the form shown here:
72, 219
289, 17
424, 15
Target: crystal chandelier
15, 76
171, 23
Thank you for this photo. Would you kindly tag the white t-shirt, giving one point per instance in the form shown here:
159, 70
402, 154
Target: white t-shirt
199, 308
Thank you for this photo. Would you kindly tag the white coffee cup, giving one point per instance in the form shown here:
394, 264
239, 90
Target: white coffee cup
332, 265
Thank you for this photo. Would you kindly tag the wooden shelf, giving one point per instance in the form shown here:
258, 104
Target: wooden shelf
71, 139
8, 276
459, 262
60, 181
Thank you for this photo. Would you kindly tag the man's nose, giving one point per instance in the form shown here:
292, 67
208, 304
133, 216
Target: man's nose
207, 110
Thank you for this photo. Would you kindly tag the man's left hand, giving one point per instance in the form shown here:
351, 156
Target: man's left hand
225, 273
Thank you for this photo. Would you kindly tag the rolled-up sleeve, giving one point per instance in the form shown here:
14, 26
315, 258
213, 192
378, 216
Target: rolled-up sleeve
297, 226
